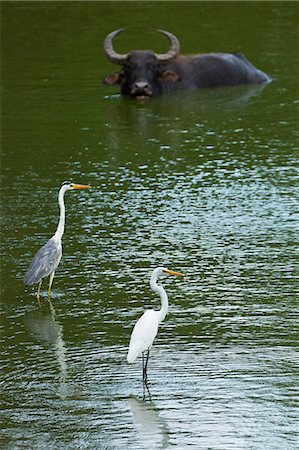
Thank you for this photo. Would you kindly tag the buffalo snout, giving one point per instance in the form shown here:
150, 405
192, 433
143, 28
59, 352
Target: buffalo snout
141, 88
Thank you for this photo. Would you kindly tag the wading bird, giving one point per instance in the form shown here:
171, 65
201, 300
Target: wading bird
48, 257
146, 328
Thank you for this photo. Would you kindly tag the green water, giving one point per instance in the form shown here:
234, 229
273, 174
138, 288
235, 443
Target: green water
204, 183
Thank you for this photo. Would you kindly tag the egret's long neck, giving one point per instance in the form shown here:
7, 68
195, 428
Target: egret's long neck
61, 223
164, 299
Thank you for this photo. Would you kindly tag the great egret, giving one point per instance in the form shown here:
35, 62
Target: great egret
146, 328
48, 257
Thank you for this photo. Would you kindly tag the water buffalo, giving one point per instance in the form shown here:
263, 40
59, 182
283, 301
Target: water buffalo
146, 74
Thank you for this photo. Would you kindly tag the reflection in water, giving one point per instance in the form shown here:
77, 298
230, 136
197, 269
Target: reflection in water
151, 426
191, 108
47, 328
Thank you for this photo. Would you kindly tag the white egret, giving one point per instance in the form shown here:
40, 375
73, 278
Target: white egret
146, 328
48, 257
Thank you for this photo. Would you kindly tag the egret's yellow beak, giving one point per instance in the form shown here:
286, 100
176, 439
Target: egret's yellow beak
80, 186
172, 272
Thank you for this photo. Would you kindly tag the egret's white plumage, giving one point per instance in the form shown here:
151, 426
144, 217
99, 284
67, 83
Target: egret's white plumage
49, 255
143, 334
146, 328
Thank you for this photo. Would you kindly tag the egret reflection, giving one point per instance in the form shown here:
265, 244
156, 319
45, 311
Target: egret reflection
46, 328
150, 425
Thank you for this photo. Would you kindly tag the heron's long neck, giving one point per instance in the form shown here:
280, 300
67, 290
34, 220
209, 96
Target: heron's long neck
61, 223
164, 299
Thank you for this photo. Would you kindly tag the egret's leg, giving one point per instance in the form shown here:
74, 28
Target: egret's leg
145, 367
38, 290
143, 373
145, 386
50, 282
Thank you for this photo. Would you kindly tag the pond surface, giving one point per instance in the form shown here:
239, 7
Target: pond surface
204, 183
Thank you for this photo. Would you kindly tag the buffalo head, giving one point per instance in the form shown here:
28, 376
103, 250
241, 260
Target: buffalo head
143, 72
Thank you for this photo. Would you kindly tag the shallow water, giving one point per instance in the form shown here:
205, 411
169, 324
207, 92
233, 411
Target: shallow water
204, 183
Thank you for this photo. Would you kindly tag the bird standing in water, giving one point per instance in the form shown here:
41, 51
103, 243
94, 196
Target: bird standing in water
48, 257
146, 328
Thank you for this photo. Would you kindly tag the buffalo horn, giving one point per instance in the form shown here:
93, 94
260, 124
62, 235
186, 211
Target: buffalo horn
174, 49
114, 57
118, 58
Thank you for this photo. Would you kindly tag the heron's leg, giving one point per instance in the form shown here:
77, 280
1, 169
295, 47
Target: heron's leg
38, 290
50, 282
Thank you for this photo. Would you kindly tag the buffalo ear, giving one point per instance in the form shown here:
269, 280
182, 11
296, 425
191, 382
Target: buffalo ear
113, 78
169, 75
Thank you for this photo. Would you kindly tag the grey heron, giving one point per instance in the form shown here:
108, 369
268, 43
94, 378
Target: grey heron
47, 259
146, 328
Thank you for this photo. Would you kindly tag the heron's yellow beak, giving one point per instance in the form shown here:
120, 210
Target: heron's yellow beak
80, 186
172, 272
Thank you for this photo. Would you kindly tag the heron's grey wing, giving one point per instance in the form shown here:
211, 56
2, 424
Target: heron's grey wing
44, 263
